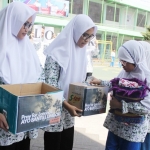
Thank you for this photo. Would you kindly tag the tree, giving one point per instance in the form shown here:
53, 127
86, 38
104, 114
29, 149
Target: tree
146, 35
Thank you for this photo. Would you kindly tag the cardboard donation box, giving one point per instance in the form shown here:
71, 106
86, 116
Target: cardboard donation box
91, 99
29, 106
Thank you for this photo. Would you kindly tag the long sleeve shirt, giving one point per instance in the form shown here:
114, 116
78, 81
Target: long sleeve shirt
52, 73
132, 132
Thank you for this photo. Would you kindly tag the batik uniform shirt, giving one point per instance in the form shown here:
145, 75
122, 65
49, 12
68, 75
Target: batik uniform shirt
52, 72
132, 132
7, 138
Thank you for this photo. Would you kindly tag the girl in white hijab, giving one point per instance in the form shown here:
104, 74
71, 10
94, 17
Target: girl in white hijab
122, 136
66, 63
146, 45
19, 63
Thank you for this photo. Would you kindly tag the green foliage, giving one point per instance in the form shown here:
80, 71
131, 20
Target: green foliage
146, 35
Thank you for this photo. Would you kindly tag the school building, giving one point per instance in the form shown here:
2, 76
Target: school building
117, 20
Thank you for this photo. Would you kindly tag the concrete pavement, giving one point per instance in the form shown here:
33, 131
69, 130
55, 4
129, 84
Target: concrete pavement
89, 134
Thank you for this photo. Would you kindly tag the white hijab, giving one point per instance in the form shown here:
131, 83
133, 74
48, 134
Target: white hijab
146, 46
69, 56
19, 62
134, 52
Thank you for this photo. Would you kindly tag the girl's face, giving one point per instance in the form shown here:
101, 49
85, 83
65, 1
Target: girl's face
86, 37
128, 67
25, 28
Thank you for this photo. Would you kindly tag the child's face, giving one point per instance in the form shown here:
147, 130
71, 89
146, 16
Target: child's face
25, 28
85, 37
128, 67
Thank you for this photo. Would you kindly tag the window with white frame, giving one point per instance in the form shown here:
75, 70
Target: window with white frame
77, 7
141, 20
95, 11
110, 12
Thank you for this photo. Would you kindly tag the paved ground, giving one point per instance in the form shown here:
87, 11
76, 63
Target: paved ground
89, 131
89, 134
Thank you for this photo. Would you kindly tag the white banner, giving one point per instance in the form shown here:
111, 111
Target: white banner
37, 33
48, 34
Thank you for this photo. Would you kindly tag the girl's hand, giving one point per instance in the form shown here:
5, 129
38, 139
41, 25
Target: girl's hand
3, 122
74, 111
95, 81
114, 103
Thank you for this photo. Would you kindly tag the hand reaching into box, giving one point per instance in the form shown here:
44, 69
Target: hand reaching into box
95, 81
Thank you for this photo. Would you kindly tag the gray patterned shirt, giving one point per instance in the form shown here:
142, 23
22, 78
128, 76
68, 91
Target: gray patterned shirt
132, 132
52, 72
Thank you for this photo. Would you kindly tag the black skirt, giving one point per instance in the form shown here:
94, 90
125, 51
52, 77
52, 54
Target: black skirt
22, 145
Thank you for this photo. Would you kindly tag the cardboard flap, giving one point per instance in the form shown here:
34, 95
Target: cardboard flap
47, 88
85, 85
23, 89
29, 89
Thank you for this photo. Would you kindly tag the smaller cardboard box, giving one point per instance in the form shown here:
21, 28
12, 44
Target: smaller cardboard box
29, 106
91, 99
